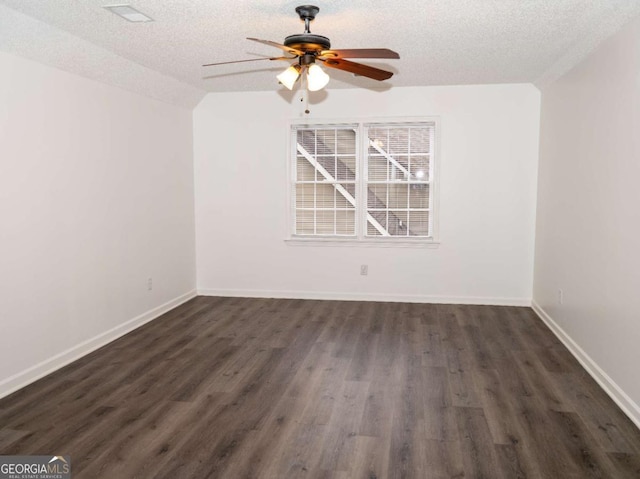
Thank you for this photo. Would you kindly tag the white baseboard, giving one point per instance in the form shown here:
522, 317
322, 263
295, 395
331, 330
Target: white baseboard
628, 406
22, 379
339, 296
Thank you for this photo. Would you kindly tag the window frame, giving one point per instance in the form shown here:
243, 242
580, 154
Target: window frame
361, 238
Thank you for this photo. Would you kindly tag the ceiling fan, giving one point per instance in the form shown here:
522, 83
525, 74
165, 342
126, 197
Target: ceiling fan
309, 50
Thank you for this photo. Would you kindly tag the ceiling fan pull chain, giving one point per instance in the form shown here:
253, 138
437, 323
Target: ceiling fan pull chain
305, 94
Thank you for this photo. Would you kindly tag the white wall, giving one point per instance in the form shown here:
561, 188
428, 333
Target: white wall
96, 196
489, 149
588, 227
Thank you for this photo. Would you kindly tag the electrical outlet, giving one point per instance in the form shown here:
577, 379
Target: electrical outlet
364, 269
150, 284
560, 296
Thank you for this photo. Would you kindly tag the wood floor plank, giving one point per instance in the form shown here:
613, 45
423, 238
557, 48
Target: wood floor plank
370, 458
478, 452
377, 413
9, 436
496, 405
339, 441
512, 445
600, 416
442, 460
149, 432
407, 424
464, 390
627, 465
433, 352
542, 383
509, 462
583, 450
543, 438
360, 368
275, 388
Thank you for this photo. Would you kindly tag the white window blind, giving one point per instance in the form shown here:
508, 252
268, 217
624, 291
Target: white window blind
325, 181
398, 184
394, 196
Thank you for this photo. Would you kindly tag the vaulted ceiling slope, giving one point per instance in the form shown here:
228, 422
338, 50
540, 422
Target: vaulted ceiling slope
441, 42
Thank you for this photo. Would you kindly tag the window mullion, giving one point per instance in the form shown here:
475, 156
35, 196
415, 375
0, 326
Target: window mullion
361, 175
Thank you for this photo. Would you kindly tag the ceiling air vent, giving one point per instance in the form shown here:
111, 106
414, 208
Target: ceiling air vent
128, 13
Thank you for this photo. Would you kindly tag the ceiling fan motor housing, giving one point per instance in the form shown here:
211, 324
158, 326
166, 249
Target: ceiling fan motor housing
308, 42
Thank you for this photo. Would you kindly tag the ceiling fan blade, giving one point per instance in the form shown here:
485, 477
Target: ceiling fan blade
249, 60
357, 68
360, 53
290, 51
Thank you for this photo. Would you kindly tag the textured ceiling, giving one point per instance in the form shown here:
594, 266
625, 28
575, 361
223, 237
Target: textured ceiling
441, 42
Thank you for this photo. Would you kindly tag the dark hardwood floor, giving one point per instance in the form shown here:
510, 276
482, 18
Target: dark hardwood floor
267, 388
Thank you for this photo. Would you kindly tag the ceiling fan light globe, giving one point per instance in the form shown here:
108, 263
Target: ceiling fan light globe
317, 79
289, 77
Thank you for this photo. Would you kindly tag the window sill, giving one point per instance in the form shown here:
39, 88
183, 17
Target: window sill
364, 243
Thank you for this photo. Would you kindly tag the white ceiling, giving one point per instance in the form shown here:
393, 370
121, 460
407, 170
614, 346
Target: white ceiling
440, 42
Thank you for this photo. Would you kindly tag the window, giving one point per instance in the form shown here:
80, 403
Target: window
363, 181
326, 172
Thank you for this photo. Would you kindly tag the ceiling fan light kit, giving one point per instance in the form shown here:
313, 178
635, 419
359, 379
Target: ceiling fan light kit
317, 79
309, 49
290, 76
